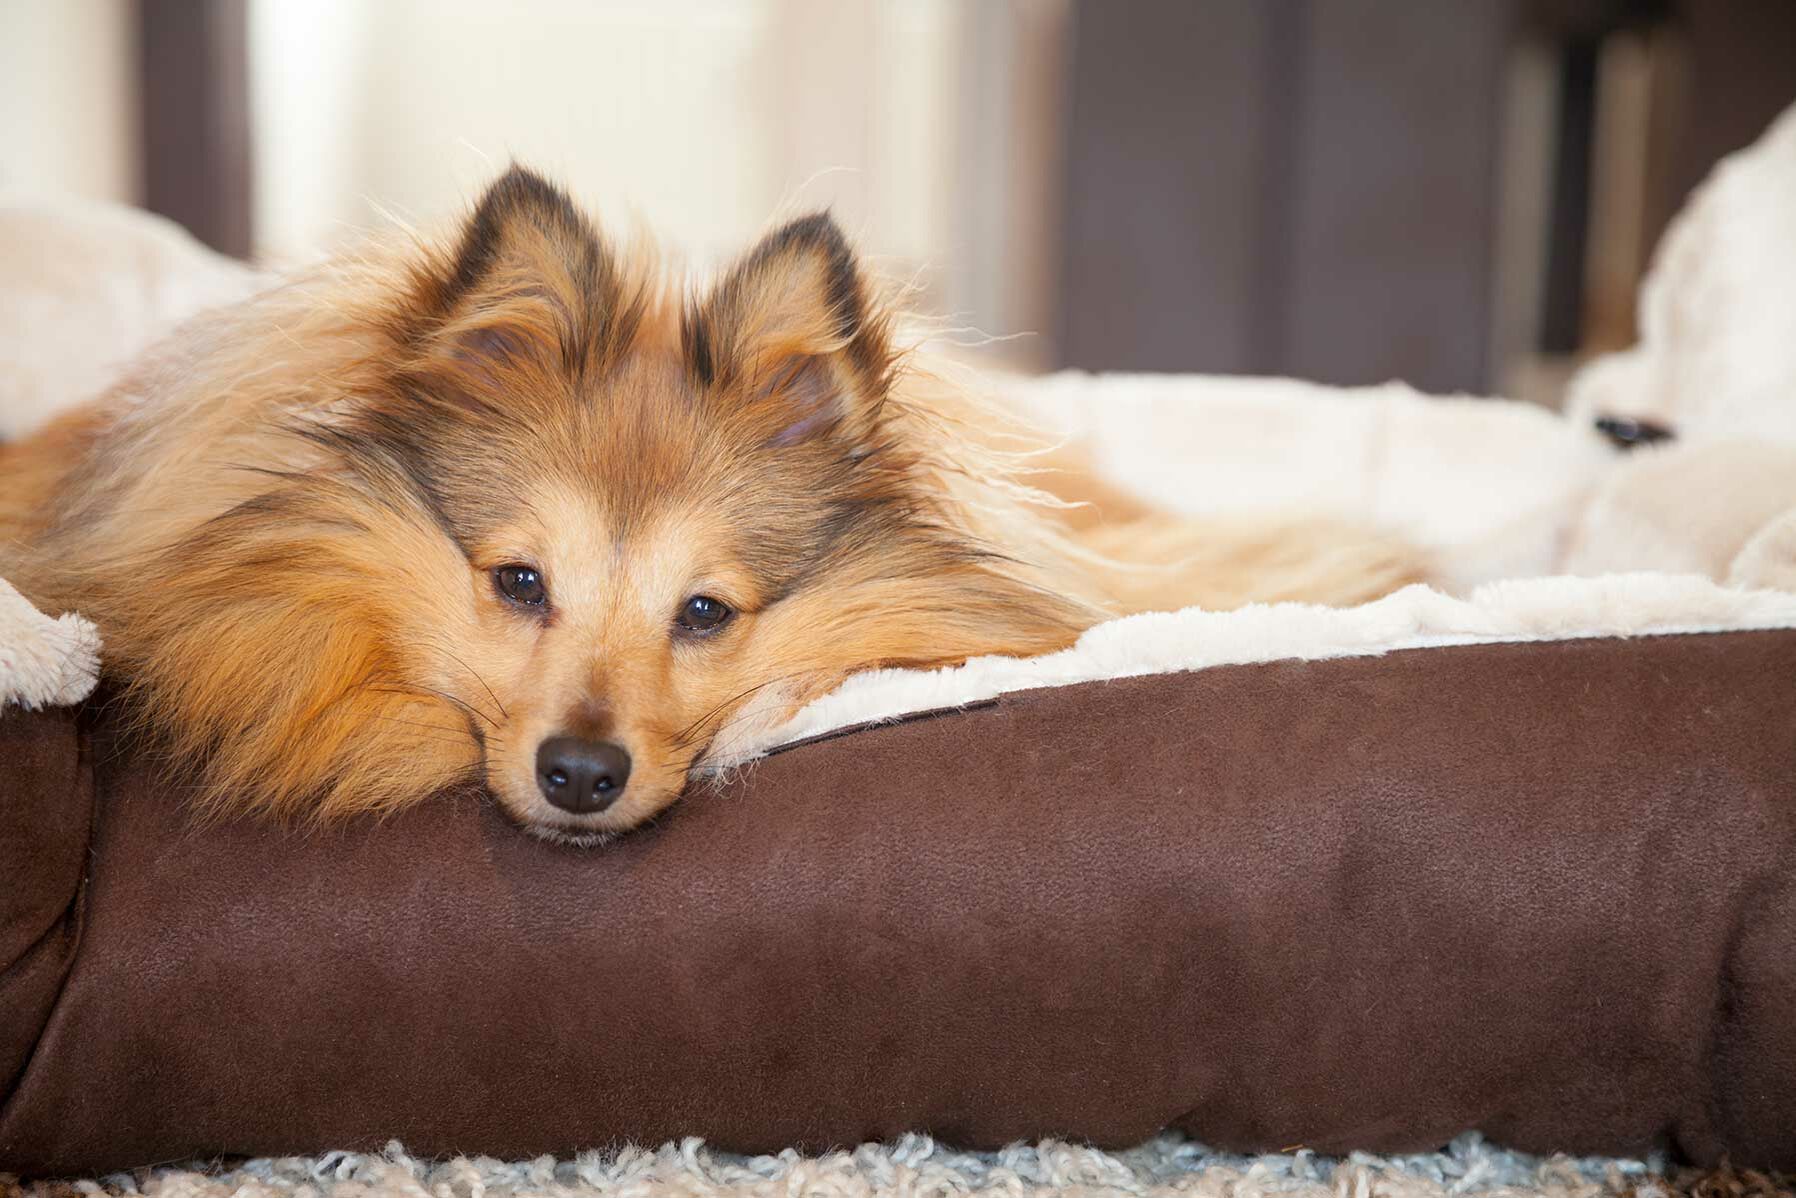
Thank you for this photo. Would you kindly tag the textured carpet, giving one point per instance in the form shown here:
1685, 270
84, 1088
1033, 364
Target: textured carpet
917, 1167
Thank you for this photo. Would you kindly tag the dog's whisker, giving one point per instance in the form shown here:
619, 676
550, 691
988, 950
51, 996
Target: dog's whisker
687, 735
445, 734
483, 686
393, 719
421, 690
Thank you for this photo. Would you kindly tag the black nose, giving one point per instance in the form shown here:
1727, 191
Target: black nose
582, 776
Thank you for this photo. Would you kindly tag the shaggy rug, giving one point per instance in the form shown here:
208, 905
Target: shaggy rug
918, 1167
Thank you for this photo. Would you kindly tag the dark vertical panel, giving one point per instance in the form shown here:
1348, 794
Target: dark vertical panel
1568, 227
196, 133
1284, 95
1395, 192
1297, 186
1164, 167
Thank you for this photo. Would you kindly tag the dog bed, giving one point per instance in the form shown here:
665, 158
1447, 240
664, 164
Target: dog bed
1517, 861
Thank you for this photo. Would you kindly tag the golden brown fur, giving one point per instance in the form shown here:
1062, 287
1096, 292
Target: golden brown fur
287, 522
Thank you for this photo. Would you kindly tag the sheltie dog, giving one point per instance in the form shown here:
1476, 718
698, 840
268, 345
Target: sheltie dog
512, 507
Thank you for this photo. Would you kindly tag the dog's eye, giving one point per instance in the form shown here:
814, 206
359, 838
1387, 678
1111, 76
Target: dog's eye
521, 584
703, 614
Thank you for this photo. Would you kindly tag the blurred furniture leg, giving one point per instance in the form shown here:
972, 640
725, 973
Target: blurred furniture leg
196, 118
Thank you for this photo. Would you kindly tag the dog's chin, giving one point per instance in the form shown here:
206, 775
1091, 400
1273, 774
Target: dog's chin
571, 837
550, 823
586, 831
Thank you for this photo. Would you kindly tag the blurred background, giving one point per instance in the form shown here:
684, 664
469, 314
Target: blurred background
1459, 193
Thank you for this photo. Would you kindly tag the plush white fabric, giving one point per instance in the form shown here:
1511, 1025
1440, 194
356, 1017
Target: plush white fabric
1716, 361
1491, 486
44, 662
1717, 351
83, 288
1416, 617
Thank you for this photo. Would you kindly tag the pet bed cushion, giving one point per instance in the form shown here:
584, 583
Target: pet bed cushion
1542, 889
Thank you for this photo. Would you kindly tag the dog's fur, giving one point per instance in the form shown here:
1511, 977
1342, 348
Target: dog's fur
287, 521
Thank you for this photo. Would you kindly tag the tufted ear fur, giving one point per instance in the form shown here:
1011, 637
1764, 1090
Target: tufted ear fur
529, 286
791, 341
490, 334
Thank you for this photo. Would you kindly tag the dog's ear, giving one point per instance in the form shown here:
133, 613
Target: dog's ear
791, 343
528, 285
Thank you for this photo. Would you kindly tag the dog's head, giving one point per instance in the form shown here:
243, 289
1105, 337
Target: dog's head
651, 513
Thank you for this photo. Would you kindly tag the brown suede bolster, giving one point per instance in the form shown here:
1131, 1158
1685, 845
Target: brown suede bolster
46, 811
1542, 890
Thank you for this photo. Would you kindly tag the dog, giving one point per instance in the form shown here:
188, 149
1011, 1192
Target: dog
515, 507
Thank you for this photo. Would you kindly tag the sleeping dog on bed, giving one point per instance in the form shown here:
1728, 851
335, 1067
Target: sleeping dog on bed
516, 506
